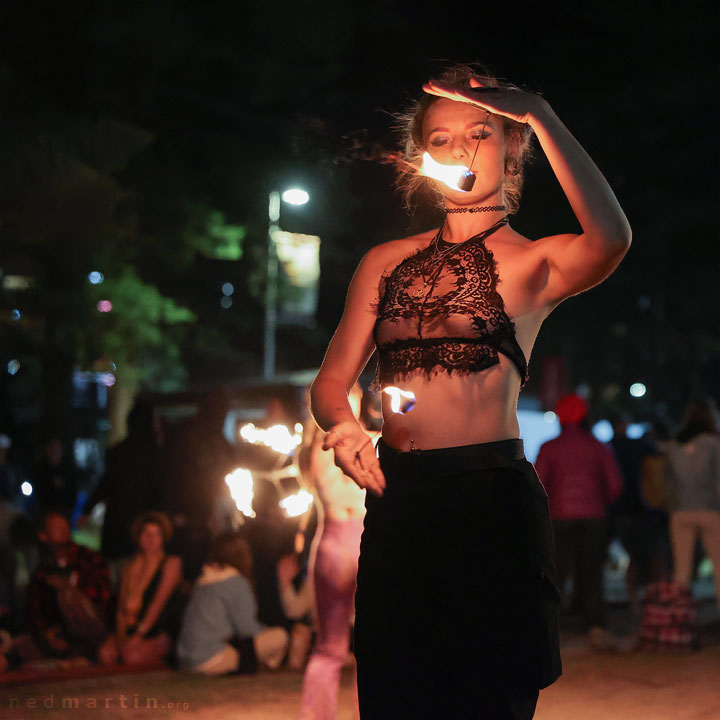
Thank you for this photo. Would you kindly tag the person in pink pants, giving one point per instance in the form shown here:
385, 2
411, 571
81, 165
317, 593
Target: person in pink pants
333, 569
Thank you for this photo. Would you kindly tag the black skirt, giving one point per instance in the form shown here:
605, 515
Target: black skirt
455, 596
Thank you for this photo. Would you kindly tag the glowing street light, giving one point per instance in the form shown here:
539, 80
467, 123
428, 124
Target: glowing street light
295, 196
292, 196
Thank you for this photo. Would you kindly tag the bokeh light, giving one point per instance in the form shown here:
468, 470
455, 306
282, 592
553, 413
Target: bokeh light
96, 277
105, 306
637, 390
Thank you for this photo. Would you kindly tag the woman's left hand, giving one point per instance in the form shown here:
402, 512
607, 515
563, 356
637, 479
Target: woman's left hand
517, 105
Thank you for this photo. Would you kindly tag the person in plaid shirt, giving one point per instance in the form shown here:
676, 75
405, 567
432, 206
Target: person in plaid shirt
70, 597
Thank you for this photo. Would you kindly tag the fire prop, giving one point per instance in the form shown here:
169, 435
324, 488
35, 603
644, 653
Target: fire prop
457, 177
240, 483
402, 401
297, 504
277, 437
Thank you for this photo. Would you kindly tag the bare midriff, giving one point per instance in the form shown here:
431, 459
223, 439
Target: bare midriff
340, 498
454, 410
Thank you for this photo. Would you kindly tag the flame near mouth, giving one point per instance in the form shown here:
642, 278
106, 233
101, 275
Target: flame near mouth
457, 177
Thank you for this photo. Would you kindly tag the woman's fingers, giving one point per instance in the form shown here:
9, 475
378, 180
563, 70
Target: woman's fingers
366, 458
355, 455
332, 439
475, 95
363, 469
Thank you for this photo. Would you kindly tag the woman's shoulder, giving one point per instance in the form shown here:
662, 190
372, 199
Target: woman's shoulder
389, 254
511, 239
393, 248
710, 439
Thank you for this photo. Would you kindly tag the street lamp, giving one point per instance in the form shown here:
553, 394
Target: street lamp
293, 196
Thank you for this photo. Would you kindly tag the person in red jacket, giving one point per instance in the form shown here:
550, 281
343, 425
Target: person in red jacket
581, 479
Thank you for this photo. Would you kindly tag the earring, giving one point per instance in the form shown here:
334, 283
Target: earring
512, 166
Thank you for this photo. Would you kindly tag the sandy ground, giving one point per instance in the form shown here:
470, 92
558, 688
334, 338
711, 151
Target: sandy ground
610, 686
594, 686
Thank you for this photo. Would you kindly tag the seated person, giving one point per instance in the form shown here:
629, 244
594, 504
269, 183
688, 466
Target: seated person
297, 602
69, 597
149, 602
298, 605
220, 629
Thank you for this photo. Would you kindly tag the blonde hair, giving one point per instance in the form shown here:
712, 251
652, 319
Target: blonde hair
409, 126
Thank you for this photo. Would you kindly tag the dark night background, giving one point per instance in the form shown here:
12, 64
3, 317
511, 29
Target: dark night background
142, 138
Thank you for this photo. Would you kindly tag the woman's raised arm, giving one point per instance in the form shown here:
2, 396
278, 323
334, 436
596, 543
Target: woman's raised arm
576, 262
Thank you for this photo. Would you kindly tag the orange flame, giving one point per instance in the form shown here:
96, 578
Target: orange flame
402, 401
451, 175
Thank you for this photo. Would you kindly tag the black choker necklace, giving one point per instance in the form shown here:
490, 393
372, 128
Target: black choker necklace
476, 209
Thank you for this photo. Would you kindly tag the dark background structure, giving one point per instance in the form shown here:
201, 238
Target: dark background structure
141, 140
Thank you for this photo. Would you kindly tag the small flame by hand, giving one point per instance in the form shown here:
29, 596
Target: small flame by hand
402, 401
457, 177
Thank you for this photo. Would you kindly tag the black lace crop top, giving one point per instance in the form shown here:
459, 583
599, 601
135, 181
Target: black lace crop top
439, 310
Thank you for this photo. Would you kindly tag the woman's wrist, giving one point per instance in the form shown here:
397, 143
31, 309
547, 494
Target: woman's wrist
542, 115
349, 424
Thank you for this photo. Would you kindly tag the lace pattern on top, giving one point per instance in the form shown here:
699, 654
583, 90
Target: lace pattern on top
444, 317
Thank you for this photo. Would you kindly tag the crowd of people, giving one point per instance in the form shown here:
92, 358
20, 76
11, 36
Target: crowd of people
256, 596
657, 495
177, 578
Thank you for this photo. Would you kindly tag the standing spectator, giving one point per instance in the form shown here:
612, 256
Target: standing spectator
8, 560
57, 479
220, 630
198, 459
130, 484
149, 606
69, 596
637, 525
581, 479
694, 474
11, 477
271, 537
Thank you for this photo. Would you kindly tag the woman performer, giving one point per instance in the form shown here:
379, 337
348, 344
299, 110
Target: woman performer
333, 567
456, 611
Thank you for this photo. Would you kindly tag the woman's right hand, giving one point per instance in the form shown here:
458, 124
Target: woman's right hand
355, 455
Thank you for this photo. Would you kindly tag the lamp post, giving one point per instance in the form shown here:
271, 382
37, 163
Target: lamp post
294, 196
